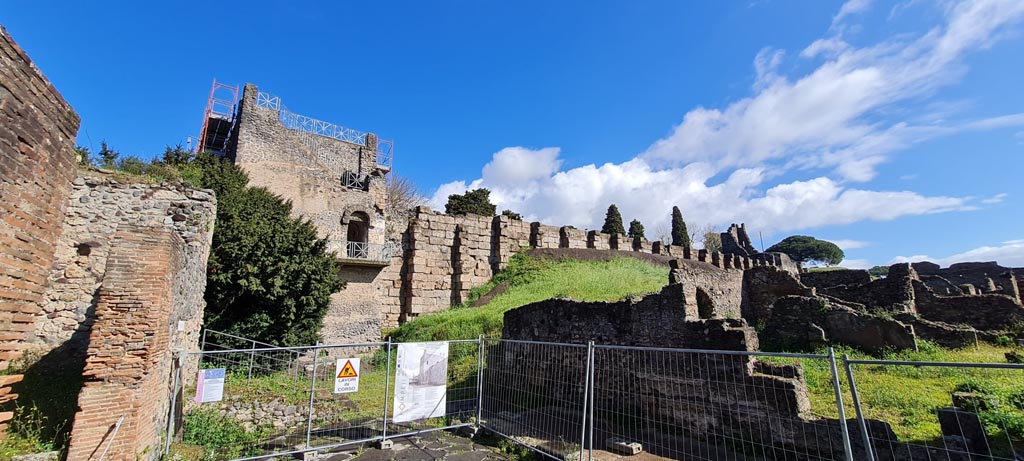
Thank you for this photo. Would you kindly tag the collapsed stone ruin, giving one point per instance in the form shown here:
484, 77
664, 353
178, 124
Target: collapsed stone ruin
703, 399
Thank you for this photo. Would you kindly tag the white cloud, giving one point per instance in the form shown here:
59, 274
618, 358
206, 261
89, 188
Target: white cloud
580, 196
1008, 254
849, 8
847, 244
837, 115
856, 264
998, 198
842, 116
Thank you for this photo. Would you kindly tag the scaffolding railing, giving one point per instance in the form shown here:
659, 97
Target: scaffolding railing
298, 122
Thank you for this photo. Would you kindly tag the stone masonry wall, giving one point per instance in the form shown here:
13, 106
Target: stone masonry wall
37, 164
131, 363
279, 159
308, 169
96, 207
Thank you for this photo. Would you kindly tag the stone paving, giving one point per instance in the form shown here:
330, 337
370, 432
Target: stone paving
436, 446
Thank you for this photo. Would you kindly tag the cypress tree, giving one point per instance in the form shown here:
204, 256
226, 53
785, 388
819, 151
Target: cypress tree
636, 230
613, 222
680, 236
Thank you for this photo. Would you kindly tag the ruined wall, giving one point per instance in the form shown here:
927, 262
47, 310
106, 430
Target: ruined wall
708, 292
96, 207
308, 170
736, 241
282, 160
656, 320
448, 256
37, 164
764, 285
983, 312
984, 277
827, 279
130, 365
893, 294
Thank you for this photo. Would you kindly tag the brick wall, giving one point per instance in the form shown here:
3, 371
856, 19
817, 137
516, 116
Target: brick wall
129, 369
96, 207
37, 164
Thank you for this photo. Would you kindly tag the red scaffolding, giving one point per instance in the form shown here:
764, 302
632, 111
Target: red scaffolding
219, 118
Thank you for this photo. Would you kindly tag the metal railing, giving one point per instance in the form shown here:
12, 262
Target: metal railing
367, 251
577, 402
281, 413
302, 123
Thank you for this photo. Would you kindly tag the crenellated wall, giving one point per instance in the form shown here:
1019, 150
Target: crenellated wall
446, 256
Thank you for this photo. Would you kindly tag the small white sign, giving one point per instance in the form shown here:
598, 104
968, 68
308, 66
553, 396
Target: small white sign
210, 385
346, 376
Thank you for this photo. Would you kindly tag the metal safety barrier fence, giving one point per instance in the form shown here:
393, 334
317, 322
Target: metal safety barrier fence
280, 401
580, 402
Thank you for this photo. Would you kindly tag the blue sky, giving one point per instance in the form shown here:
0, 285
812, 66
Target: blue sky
893, 128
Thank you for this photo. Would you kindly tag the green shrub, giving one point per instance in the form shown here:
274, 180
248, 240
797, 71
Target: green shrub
220, 436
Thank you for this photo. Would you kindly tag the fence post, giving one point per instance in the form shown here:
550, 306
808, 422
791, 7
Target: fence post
387, 384
856, 407
202, 348
480, 381
174, 404
252, 357
312, 393
593, 391
586, 393
839, 404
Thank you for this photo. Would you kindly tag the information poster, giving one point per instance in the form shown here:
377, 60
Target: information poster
210, 385
346, 376
421, 381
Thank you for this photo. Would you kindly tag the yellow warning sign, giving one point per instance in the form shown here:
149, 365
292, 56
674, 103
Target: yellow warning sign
346, 376
348, 371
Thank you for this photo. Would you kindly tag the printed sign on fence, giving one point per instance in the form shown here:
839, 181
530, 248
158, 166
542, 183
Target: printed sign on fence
346, 376
210, 385
421, 381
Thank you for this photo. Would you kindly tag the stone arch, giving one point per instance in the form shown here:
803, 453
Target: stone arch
705, 306
358, 227
349, 211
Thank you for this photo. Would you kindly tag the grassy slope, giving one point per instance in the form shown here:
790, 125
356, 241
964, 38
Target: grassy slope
535, 280
908, 397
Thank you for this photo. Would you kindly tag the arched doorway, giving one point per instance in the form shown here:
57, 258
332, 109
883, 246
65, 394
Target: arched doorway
358, 235
705, 306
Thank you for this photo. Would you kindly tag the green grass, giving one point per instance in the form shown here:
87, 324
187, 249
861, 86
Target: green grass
533, 280
908, 397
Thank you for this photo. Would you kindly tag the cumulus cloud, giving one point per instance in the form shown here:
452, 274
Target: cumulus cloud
835, 116
830, 127
1009, 254
579, 196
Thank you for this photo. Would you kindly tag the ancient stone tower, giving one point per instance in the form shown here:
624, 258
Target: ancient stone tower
334, 176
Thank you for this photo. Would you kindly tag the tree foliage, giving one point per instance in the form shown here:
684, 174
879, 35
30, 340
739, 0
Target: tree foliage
512, 215
107, 156
636, 230
680, 236
270, 276
613, 222
803, 248
712, 240
403, 198
477, 201
879, 271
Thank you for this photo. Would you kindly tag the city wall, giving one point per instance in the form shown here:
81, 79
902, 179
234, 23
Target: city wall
37, 165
